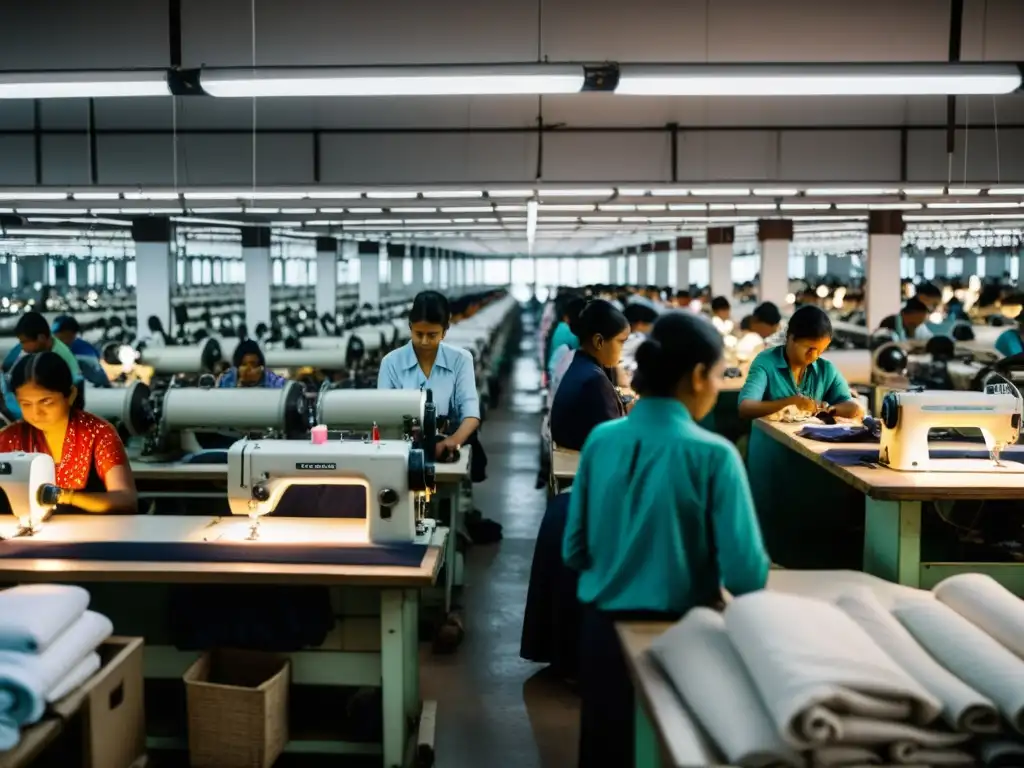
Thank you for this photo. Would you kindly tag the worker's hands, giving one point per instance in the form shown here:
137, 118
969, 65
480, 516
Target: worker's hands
445, 447
805, 404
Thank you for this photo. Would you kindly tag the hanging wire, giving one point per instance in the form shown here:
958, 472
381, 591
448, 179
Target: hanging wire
995, 103
252, 11
174, 140
967, 133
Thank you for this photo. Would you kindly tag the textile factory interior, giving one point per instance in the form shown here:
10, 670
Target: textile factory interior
513, 385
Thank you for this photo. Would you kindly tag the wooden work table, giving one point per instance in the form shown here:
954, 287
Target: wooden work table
668, 735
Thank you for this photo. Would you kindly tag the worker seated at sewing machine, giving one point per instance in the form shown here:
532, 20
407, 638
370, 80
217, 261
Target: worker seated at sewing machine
34, 335
1011, 341
641, 318
249, 369
426, 362
910, 323
793, 375
67, 330
909, 417
92, 471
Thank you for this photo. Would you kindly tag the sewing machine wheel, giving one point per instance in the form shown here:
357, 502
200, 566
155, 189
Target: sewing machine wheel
890, 412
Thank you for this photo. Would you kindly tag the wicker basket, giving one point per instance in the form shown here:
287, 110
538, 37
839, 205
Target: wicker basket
237, 709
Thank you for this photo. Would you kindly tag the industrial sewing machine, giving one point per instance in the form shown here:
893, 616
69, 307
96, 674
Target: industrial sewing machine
398, 480
907, 418
398, 413
29, 482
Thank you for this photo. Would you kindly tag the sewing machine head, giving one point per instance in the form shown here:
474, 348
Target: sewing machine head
29, 481
395, 476
907, 418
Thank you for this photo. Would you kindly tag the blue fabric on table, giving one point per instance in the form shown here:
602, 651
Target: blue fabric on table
402, 555
852, 457
827, 434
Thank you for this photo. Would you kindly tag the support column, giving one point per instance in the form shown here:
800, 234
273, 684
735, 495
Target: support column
460, 272
720, 246
662, 256
259, 273
774, 237
435, 268
643, 264
684, 253
326, 276
121, 273
154, 249
613, 269
419, 256
369, 273
396, 268
882, 266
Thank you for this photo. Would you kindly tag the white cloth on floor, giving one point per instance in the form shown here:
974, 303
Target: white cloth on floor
821, 677
969, 653
33, 615
698, 657
985, 602
85, 669
907, 752
963, 708
26, 678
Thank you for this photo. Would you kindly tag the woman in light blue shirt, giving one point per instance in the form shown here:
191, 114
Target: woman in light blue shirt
660, 520
428, 363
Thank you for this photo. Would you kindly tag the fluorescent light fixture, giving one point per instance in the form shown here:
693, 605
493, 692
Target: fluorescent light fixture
806, 206
393, 195
298, 211
544, 207
95, 195
892, 206
420, 222
51, 211
263, 211
673, 192
849, 192
990, 204
687, 207
510, 193
942, 79
413, 210
924, 191
633, 192
453, 193
651, 207
365, 210
720, 192
82, 85
468, 209
8, 195
321, 194
237, 209
149, 211
332, 210
755, 206
605, 192
964, 191
616, 207
776, 192
512, 208
104, 211
455, 80
154, 196
1007, 191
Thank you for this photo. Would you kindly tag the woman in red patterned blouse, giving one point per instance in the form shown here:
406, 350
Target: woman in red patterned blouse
93, 472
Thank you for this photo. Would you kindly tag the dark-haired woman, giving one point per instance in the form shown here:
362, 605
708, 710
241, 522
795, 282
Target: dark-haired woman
659, 521
93, 472
428, 363
586, 395
249, 369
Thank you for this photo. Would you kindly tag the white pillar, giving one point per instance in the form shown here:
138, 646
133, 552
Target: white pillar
419, 259
774, 237
684, 252
643, 263
154, 244
369, 274
720, 240
882, 268
326, 290
662, 255
613, 269
460, 272
259, 275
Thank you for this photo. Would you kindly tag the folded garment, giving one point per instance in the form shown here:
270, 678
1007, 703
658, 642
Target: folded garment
845, 433
963, 708
33, 615
26, 678
907, 752
985, 602
830, 757
702, 664
85, 669
819, 674
1001, 753
969, 653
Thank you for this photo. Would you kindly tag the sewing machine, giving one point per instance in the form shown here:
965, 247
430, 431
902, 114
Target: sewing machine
29, 482
190, 420
907, 418
396, 412
127, 408
398, 479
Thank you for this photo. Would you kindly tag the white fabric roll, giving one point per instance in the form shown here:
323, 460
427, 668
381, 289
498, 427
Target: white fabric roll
807, 656
85, 669
32, 616
985, 602
830, 757
702, 664
969, 653
907, 752
963, 708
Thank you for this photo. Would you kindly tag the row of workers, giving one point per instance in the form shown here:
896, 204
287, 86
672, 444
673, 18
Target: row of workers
92, 466
660, 515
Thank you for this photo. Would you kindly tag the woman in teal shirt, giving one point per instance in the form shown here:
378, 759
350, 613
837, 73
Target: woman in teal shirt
794, 373
1011, 342
660, 519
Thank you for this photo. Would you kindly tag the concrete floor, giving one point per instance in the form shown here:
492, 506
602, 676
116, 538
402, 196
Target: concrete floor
493, 707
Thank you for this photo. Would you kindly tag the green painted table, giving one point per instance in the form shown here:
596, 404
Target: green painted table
817, 514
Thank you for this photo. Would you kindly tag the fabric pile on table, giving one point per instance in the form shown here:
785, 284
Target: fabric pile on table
48, 644
783, 680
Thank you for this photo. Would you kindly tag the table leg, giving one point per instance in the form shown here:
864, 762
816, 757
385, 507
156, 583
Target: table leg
645, 743
410, 628
394, 670
892, 540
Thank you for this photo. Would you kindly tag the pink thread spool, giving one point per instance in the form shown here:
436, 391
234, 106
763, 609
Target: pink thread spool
319, 434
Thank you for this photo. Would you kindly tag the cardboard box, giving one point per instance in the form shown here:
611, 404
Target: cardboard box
237, 709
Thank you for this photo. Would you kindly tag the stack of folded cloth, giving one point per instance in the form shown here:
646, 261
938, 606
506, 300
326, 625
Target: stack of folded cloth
48, 642
782, 680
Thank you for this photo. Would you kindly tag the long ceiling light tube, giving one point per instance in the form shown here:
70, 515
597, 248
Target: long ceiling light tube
940, 79
83, 85
455, 80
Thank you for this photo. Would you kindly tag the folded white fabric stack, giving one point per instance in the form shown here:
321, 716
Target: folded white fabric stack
48, 642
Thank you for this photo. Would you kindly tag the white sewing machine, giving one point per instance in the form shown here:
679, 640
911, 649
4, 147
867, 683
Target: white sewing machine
396, 477
394, 411
29, 482
907, 418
